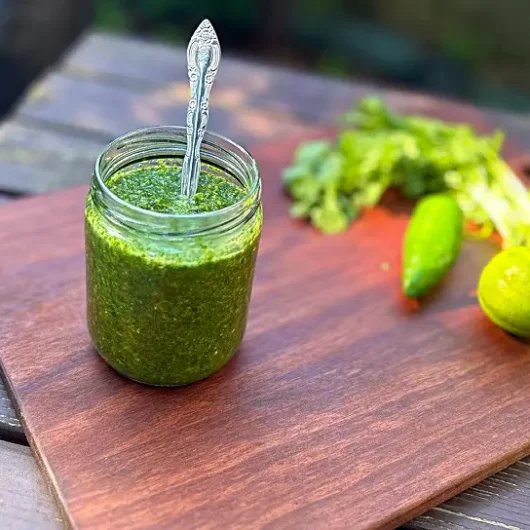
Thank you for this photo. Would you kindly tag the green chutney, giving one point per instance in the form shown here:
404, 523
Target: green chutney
166, 309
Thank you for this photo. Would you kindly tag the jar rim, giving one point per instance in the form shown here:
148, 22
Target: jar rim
252, 191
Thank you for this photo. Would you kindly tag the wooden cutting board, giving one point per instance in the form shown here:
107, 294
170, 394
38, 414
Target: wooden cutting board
345, 408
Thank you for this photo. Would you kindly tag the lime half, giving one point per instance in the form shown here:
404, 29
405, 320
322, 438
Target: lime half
504, 290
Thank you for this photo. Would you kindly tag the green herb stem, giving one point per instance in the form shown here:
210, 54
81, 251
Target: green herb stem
331, 183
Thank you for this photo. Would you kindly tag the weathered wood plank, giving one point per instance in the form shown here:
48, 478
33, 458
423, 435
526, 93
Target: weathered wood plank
127, 62
56, 135
131, 86
25, 501
501, 501
98, 110
131, 62
37, 160
10, 427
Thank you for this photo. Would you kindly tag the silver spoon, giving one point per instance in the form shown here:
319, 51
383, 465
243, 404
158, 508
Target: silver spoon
204, 54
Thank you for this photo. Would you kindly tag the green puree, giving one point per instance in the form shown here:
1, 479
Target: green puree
168, 310
157, 188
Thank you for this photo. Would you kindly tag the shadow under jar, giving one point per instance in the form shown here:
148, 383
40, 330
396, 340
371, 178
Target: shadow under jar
168, 294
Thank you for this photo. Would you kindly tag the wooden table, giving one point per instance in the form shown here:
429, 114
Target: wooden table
109, 85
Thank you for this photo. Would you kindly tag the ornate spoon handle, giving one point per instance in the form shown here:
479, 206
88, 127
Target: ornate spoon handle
204, 54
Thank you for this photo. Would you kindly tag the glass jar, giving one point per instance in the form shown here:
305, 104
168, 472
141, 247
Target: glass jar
167, 294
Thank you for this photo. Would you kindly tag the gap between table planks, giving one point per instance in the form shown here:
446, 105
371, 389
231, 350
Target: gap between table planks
85, 133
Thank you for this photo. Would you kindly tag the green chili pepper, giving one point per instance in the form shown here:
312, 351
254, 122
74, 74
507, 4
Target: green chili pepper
432, 243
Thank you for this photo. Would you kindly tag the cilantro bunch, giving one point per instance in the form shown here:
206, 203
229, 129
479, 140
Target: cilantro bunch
330, 183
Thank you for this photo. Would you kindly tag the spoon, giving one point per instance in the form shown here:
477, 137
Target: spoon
204, 54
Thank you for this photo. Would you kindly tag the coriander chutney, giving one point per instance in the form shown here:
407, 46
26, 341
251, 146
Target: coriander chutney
169, 307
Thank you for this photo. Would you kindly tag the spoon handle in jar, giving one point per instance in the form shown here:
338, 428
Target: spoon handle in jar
204, 54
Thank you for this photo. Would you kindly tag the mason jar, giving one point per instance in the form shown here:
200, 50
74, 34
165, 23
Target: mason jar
168, 294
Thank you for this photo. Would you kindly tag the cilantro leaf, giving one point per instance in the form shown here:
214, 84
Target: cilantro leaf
331, 182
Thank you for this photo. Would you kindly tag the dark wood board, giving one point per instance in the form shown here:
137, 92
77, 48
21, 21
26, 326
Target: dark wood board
502, 499
343, 408
45, 149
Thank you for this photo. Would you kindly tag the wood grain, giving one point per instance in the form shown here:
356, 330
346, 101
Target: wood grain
104, 94
45, 150
142, 66
70, 115
34, 159
25, 502
342, 407
125, 62
108, 110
